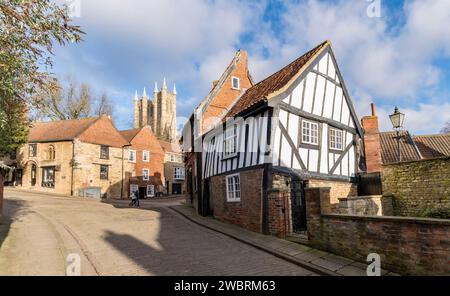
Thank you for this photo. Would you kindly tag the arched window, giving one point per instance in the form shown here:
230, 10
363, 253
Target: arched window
33, 174
51, 153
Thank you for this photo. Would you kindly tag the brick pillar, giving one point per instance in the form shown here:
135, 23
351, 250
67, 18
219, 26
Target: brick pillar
372, 144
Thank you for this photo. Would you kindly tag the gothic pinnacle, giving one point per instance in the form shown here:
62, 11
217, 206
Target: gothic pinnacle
156, 87
165, 84
144, 94
174, 89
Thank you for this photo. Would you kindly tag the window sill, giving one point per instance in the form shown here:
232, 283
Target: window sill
233, 201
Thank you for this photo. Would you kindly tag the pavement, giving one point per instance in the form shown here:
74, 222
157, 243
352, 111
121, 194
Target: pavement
38, 232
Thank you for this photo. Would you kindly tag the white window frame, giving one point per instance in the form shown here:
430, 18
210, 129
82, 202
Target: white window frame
233, 79
146, 178
230, 140
132, 152
145, 154
179, 176
152, 191
307, 132
233, 188
334, 139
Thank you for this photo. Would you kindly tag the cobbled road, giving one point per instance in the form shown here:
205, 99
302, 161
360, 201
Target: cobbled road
39, 231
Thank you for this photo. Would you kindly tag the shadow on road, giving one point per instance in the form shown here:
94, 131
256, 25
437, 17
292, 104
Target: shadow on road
13, 210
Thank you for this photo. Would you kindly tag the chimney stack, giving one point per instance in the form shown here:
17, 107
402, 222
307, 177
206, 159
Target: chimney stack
372, 142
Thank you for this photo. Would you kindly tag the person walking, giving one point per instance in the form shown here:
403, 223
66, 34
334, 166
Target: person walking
134, 198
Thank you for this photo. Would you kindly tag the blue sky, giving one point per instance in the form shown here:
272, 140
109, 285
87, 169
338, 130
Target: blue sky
400, 58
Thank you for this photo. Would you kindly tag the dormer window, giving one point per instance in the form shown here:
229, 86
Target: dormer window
235, 83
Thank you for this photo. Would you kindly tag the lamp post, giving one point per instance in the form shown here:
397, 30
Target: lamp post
397, 120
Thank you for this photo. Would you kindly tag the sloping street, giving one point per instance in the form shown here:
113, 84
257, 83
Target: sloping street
39, 232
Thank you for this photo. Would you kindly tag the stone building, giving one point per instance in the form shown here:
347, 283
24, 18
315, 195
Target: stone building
147, 155
81, 157
174, 171
159, 113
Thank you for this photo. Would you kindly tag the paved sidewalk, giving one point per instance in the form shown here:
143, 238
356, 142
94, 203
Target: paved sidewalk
318, 261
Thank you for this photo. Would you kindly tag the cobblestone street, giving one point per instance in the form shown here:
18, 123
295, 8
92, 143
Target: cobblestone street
39, 231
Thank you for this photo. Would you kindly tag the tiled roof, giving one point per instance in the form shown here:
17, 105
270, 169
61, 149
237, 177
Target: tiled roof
433, 146
130, 134
389, 147
56, 131
100, 131
259, 92
170, 147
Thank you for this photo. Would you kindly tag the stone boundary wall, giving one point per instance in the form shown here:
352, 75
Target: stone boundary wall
373, 205
418, 186
408, 246
1, 194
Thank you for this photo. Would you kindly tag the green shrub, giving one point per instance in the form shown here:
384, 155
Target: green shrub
443, 213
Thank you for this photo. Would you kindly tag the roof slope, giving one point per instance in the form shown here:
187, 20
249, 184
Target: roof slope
129, 135
100, 131
58, 131
433, 146
259, 92
170, 147
389, 147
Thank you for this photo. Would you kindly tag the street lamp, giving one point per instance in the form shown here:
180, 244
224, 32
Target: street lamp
397, 120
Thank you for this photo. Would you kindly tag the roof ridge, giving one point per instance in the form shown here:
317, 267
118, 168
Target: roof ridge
293, 62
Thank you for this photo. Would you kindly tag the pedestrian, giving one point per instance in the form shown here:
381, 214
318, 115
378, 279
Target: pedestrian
134, 198
137, 198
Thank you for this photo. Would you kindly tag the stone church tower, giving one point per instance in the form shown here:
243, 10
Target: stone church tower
160, 114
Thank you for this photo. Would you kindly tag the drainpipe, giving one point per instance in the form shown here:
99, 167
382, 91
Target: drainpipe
121, 186
73, 167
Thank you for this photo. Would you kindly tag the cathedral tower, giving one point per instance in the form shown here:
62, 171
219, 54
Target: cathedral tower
160, 114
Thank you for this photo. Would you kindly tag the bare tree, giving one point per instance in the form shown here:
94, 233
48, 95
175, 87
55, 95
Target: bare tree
104, 106
70, 100
446, 129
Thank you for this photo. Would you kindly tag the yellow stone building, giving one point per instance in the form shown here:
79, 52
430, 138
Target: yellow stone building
85, 157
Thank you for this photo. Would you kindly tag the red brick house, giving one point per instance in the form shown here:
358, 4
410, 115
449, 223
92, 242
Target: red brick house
147, 156
224, 92
295, 129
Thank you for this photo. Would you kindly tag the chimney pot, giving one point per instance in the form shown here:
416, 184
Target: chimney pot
374, 112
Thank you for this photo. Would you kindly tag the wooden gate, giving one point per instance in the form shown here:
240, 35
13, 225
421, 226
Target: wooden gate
298, 206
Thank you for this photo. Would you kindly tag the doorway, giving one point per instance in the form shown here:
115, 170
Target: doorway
176, 188
298, 206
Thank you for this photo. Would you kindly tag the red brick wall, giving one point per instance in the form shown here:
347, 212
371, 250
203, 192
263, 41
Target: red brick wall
227, 95
248, 212
372, 144
409, 246
146, 140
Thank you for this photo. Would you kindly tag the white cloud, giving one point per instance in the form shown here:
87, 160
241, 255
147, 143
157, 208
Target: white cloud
193, 41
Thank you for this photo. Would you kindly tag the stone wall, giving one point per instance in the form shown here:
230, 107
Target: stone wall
339, 189
418, 186
87, 170
376, 205
409, 246
1, 195
63, 173
248, 212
